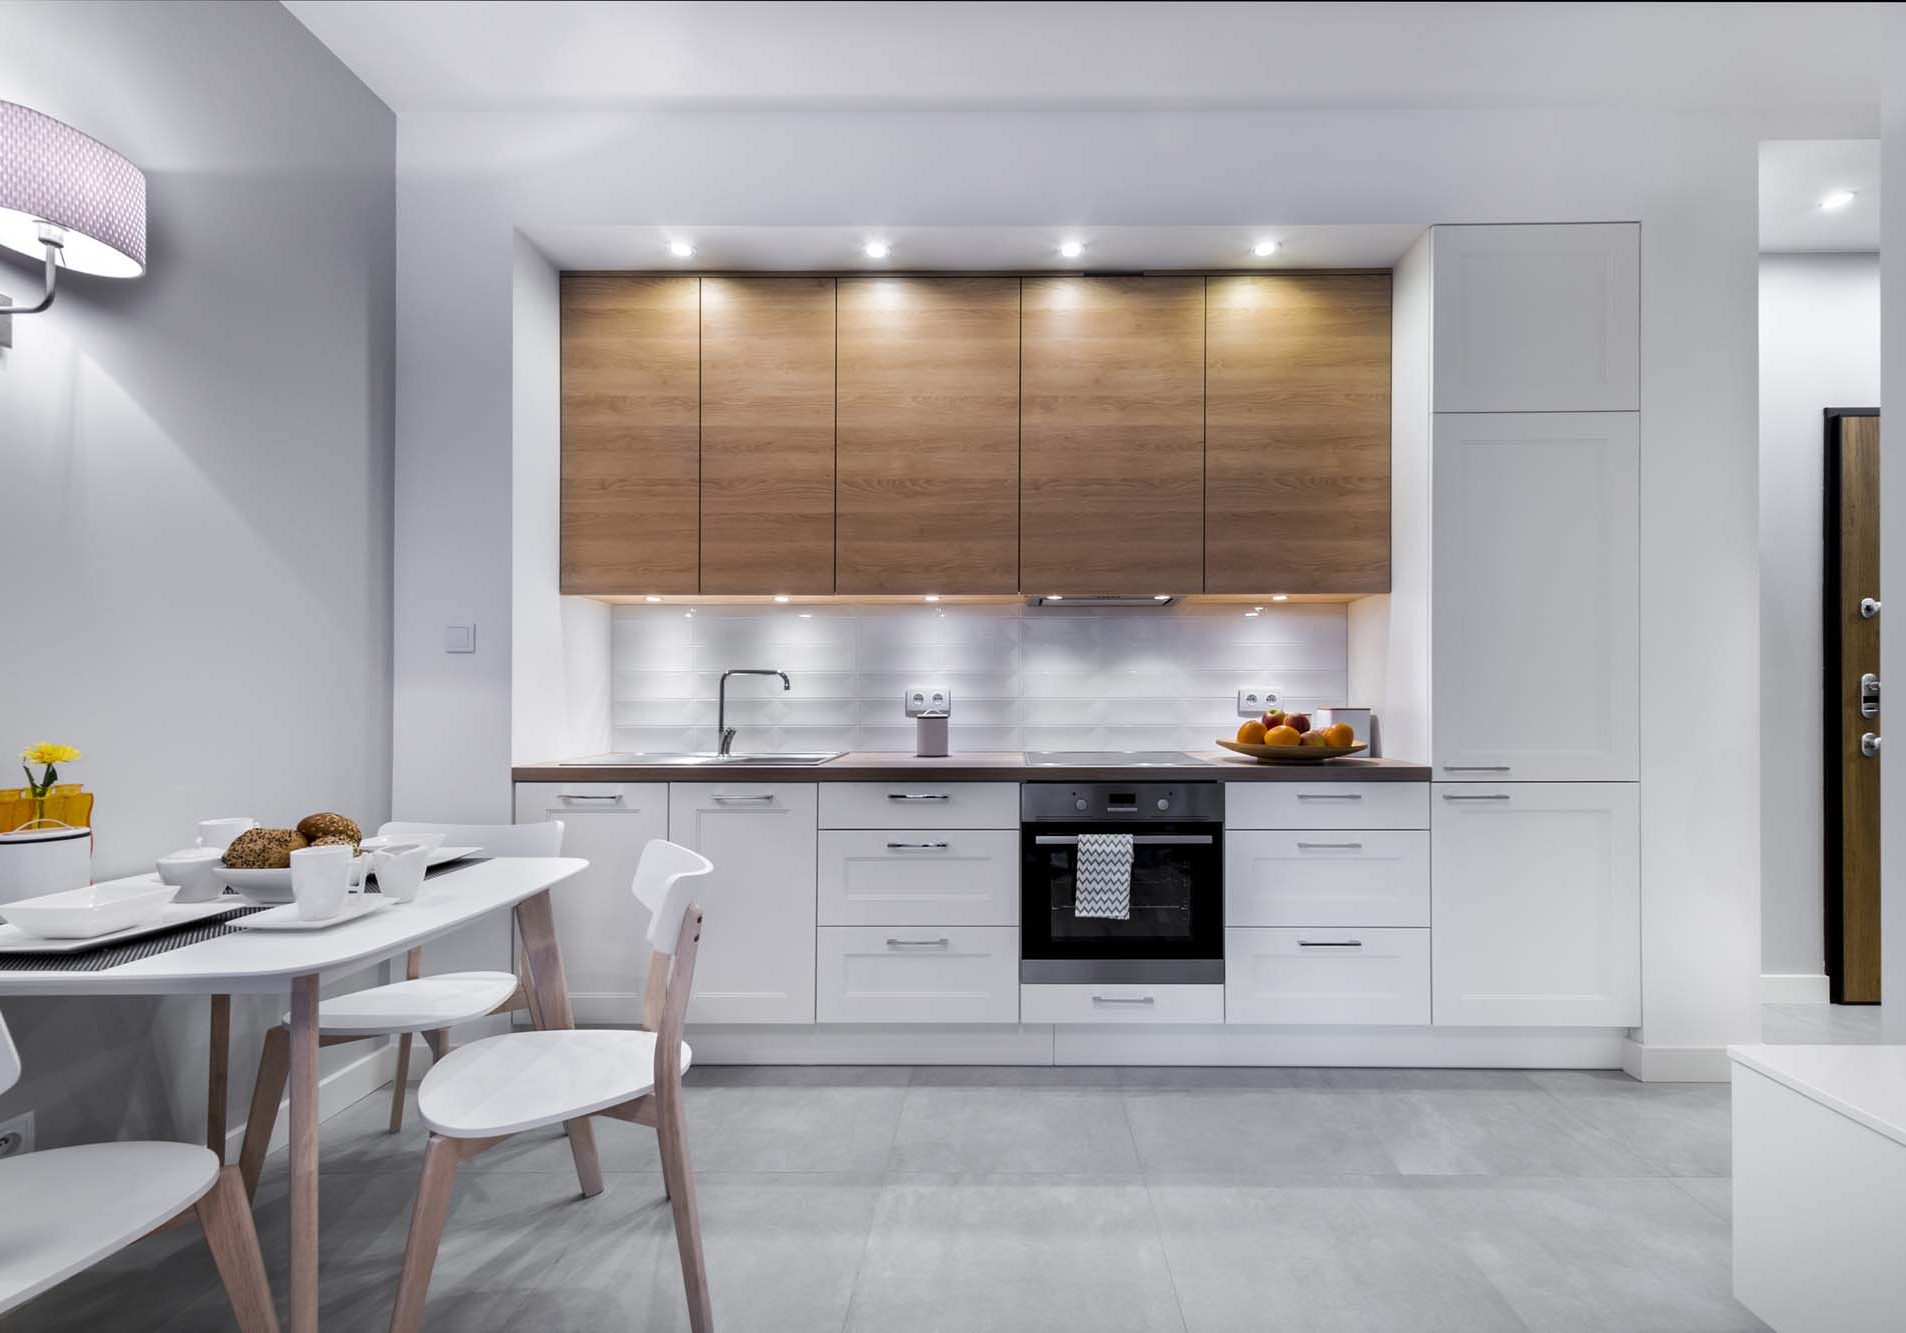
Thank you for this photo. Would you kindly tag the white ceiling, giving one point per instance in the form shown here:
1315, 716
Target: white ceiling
503, 54
1795, 174
982, 249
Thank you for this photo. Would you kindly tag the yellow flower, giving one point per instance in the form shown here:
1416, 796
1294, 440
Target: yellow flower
48, 753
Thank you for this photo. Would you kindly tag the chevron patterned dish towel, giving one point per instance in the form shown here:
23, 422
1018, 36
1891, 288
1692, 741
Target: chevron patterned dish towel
1104, 876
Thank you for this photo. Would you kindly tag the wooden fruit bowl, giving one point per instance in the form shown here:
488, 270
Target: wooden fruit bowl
1293, 754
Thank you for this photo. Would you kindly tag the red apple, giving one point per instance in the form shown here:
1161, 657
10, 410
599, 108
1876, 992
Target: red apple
1297, 722
1273, 720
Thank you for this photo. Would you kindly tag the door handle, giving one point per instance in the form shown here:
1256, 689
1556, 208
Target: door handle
919, 796
1490, 796
1870, 745
582, 796
1330, 796
1138, 840
1337, 846
1330, 944
942, 943
1124, 999
917, 846
721, 798
1475, 768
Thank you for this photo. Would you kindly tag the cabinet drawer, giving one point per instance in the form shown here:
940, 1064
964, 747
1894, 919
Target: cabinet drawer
920, 974
920, 803
1326, 805
1327, 976
1302, 878
908, 877
1111, 1003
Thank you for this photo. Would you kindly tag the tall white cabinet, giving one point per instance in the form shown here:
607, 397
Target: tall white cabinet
1520, 440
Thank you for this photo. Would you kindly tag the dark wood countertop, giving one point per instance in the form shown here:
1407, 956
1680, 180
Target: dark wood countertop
1215, 766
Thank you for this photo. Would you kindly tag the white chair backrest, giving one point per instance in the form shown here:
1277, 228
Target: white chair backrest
545, 839
658, 887
9, 1057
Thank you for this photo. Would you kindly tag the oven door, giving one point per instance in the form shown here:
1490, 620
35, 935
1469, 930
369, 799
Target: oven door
1176, 929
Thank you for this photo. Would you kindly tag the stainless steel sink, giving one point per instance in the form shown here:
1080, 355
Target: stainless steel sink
701, 760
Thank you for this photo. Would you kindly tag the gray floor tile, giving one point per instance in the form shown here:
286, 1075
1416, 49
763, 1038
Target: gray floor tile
1717, 1192
1359, 1255
1002, 1254
1015, 1076
1429, 1080
1820, 1024
1681, 1129
1258, 1133
1190, 1077
1601, 1256
1013, 1129
1498, 1133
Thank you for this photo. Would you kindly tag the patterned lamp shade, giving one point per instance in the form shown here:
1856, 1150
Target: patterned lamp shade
50, 172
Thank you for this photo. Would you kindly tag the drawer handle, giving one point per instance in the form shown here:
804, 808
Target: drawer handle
1123, 999
1475, 768
917, 846
721, 798
941, 943
1339, 846
583, 796
919, 796
1330, 944
1485, 796
1138, 840
1330, 796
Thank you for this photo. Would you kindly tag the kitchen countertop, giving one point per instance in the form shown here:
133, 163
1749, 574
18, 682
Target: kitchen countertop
1212, 766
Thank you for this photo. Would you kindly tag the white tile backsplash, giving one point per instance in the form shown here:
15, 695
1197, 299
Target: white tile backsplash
1104, 679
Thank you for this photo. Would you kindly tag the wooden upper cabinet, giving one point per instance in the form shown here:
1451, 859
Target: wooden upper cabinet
630, 435
767, 435
1297, 433
1112, 435
928, 489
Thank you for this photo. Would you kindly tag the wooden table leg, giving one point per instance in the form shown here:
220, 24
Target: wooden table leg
537, 922
304, 1155
218, 1060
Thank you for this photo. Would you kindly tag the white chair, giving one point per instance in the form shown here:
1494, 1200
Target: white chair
68, 1208
491, 1089
418, 1004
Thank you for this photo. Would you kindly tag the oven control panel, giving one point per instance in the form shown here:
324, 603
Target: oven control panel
1121, 802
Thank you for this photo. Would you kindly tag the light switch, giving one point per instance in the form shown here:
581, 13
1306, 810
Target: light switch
459, 638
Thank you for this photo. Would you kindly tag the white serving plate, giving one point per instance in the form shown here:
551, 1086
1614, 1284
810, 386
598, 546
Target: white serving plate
287, 918
90, 911
274, 886
15, 940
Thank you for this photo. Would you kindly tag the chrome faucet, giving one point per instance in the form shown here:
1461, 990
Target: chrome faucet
726, 732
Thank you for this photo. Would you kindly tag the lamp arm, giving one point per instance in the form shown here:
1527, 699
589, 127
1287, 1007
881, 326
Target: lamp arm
53, 250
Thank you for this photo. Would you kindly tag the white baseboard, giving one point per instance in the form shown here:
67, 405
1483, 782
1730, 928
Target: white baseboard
1794, 988
338, 1089
1675, 1064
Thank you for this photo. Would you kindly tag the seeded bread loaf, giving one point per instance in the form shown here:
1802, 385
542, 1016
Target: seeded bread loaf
328, 825
264, 849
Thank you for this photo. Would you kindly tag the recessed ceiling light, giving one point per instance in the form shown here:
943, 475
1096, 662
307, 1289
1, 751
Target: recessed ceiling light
876, 250
1055, 597
1264, 249
807, 615
933, 597
1072, 249
1161, 597
1280, 597
1836, 199
681, 249
1252, 614
781, 597
651, 598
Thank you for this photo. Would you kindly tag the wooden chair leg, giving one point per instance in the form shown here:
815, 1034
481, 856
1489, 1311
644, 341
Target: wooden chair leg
679, 1181
438, 1041
218, 1063
401, 1084
225, 1214
274, 1065
582, 1147
427, 1216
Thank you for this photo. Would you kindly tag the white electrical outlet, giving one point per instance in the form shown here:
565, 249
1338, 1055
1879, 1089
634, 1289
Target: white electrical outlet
16, 1135
927, 699
1256, 702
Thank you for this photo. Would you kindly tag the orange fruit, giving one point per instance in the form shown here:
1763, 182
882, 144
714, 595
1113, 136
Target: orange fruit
1340, 734
1282, 736
1251, 733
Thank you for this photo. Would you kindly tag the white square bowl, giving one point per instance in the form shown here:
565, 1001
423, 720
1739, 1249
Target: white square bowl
97, 909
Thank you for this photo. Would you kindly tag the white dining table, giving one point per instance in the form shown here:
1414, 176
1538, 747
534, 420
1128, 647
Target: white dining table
298, 963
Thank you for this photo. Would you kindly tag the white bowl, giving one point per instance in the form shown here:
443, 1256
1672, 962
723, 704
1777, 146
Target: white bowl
274, 886
196, 872
97, 909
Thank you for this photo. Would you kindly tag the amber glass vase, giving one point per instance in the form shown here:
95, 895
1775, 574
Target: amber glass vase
68, 803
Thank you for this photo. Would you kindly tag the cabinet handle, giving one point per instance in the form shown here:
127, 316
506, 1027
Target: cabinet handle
1124, 999
582, 796
1485, 796
1475, 768
919, 796
916, 846
1330, 796
941, 943
1344, 846
1138, 840
1330, 944
721, 798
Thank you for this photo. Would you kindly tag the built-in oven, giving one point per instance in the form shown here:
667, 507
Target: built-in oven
1174, 930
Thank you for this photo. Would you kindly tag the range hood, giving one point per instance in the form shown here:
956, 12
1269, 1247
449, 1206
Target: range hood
1057, 602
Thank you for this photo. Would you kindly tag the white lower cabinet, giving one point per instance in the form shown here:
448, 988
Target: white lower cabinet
1293, 804
905, 877
1327, 877
756, 963
945, 974
1537, 912
1359, 975
601, 927
1119, 1003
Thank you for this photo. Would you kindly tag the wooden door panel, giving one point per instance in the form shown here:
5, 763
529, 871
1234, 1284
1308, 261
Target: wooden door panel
767, 435
1297, 433
927, 494
1853, 650
1112, 435
631, 401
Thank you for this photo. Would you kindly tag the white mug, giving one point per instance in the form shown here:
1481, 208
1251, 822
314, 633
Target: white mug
400, 868
320, 880
218, 833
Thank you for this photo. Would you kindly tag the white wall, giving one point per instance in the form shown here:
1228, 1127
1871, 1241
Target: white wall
1819, 348
196, 471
